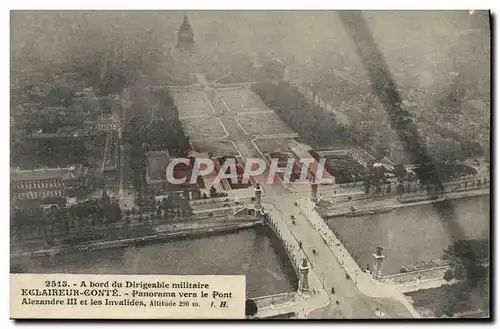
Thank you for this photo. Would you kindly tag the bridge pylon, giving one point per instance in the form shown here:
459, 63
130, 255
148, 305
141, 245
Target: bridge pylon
258, 198
304, 280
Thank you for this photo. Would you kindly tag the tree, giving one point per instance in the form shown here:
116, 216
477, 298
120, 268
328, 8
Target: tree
250, 308
400, 189
213, 192
455, 300
382, 150
151, 202
59, 96
166, 203
471, 149
400, 171
469, 256
448, 275
139, 200
367, 184
105, 196
314, 125
469, 262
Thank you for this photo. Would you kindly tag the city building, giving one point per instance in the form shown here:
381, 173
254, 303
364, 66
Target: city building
282, 162
303, 153
74, 81
110, 152
230, 184
48, 182
157, 162
108, 123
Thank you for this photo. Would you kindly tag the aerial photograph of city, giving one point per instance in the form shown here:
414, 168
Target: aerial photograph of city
340, 160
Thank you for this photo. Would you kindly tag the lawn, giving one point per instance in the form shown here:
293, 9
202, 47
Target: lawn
263, 124
218, 148
191, 104
281, 145
241, 100
427, 302
203, 127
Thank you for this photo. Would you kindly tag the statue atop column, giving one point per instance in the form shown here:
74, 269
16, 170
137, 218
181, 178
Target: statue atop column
314, 192
257, 198
378, 258
304, 281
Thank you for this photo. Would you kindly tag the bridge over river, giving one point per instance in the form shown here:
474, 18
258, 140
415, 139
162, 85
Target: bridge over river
327, 269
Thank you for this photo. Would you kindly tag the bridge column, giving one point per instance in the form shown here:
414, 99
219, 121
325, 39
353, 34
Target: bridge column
378, 258
258, 197
314, 192
304, 281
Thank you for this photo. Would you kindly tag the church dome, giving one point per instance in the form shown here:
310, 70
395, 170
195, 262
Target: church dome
185, 38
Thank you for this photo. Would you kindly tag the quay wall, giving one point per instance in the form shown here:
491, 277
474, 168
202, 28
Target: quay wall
376, 210
277, 299
424, 274
137, 241
289, 254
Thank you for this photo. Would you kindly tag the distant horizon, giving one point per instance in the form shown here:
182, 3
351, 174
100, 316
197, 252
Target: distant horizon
301, 34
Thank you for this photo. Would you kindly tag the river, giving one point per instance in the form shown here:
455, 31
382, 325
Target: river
255, 252
415, 234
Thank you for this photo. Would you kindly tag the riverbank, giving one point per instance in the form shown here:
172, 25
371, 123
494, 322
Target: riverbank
388, 205
203, 229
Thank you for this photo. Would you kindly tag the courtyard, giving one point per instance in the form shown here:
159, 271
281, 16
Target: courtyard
428, 302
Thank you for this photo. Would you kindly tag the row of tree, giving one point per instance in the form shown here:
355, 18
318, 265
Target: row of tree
376, 181
105, 74
160, 130
30, 221
314, 125
32, 153
147, 202
469, 262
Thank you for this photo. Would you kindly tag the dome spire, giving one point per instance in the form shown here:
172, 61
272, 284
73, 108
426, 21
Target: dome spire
185, 38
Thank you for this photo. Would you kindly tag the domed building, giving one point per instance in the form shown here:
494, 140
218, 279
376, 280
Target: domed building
185, 36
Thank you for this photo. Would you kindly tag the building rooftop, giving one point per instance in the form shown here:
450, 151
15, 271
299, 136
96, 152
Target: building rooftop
47, 173
156, 164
